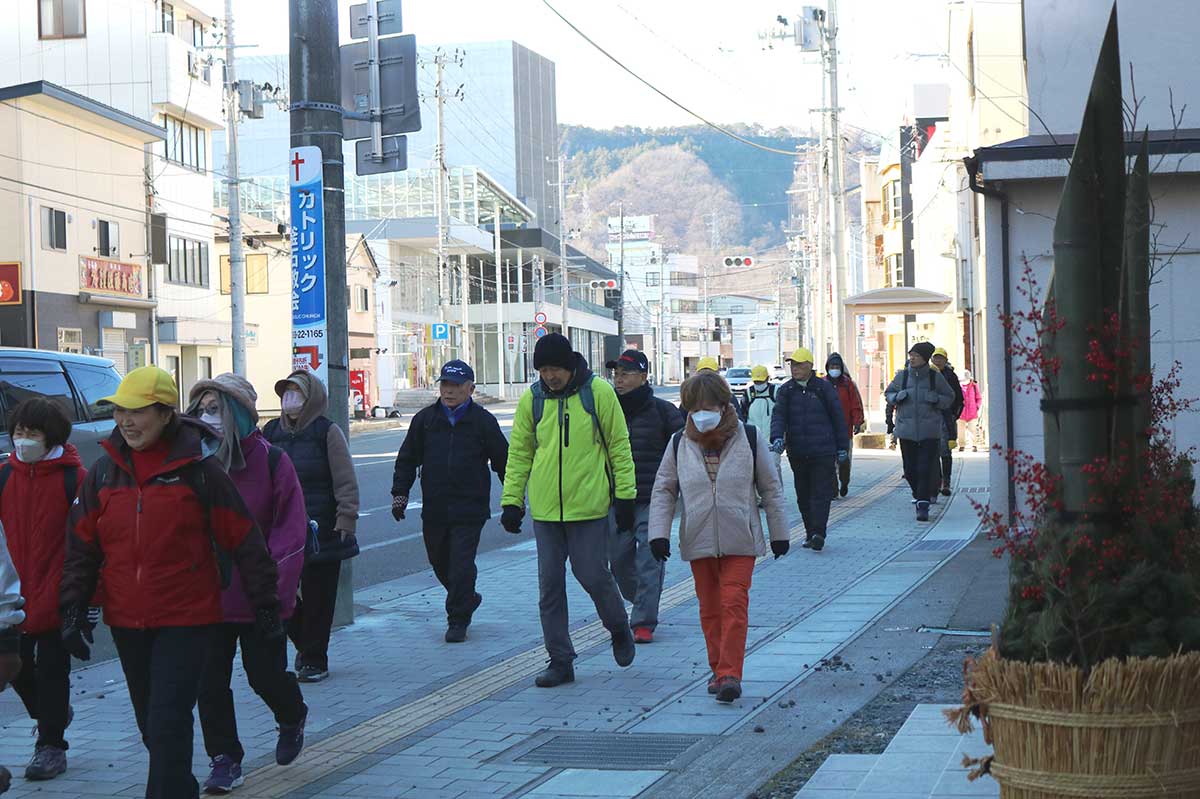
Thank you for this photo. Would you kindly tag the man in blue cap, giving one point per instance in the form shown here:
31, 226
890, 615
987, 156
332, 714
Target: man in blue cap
451, 442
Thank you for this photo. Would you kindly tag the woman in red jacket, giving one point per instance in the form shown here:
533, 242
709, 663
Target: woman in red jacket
38, 483
159, 520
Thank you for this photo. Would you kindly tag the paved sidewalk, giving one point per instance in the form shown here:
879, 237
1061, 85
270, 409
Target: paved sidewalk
406, 715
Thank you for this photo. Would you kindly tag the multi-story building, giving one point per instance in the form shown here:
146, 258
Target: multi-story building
146, 59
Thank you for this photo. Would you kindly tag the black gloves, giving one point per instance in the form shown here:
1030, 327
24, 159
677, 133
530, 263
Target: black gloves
510, 518
626, 514
399, 505
780, 548
661, 548
76, 632
267, 625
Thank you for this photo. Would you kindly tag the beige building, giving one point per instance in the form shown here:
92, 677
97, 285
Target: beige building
362, 276
74, 270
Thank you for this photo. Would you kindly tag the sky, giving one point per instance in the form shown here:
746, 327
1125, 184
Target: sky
707, 54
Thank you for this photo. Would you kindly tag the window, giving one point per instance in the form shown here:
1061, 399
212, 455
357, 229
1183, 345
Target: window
166, 18
362, 297
92, 383
652, 278
971, 65
205, 367
70, 339
54, 229
171, 365
61, 19
893, 271
891, 202
108, 239
256, 273
16, 388
683, 279
187, 144
196, 32
685, 306
187, 264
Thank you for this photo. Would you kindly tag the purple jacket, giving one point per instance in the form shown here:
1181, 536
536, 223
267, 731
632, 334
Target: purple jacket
277, 506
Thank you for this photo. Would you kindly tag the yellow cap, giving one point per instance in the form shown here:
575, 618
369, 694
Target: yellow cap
144, 387
942, 352
800, 355
708, 362
758, 373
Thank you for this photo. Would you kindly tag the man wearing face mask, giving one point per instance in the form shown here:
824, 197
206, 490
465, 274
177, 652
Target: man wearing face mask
570, 448
852, 408
808, 422
759, 404
321, 455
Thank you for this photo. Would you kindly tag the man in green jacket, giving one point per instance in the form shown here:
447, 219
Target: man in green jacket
570, 447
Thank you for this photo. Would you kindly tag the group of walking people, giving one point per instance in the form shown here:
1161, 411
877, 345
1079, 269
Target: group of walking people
193, 535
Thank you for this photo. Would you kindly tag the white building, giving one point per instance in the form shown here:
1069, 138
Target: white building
1024, 177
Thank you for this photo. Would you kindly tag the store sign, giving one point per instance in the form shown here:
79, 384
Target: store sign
102, 276
10, 283
310, 344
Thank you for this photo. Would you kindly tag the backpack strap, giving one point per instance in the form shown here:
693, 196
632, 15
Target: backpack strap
932, 380
70, 484
6, 472
904, 385
588, 400
539, 408
193, 475
675, 446
752, 440
274, 455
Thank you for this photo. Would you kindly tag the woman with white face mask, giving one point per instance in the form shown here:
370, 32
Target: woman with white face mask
719, 467
38, 483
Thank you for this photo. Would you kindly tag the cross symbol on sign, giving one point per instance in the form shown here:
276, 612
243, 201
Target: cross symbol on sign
296, 162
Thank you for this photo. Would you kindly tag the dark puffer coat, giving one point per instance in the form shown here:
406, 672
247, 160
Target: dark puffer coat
651, 422
809, 418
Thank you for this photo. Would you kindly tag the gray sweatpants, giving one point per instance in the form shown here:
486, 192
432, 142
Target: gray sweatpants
586, 545
639, 576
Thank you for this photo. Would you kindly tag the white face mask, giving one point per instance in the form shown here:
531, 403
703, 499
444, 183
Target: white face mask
835, 372
706, 420
29, 450
293, 402
213, 421
759, 386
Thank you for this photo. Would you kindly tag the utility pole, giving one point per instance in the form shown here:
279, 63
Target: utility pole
621, 314
237, 261
439, 96
562, 241
661, 349
316, 120
501, 354
836, 194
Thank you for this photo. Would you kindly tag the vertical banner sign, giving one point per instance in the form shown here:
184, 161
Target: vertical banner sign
309, 342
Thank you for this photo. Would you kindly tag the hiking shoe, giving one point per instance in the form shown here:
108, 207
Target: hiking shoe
922, 511
945, 489
290, 742
807, 543
623, 648
456, 633
714, 684
5, 779
728, 689
818, 543
845, 489
47, 763
643, 635
556, 673
310, 673
225, 774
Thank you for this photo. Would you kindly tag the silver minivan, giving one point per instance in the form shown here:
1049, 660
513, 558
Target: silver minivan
74, 382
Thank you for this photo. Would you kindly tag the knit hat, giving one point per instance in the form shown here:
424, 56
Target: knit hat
924, 349
553, 350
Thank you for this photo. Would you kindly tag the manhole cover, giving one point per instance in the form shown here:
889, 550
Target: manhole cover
610, 750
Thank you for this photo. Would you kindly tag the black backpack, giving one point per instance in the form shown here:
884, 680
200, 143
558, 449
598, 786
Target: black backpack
751, 439
70, 480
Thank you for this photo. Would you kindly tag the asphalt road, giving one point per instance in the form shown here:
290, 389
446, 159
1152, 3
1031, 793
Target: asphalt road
392, 549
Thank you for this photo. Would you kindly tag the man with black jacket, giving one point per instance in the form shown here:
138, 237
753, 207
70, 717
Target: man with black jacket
452, 441
941, 361
651, 422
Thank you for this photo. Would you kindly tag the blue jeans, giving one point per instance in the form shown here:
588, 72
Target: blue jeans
639, 576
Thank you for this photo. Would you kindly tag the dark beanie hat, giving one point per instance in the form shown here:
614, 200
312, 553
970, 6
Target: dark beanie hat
924, 349
553, 350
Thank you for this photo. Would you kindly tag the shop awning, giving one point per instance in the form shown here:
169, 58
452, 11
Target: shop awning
898, 300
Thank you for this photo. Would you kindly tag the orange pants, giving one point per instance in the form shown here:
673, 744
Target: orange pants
723, 587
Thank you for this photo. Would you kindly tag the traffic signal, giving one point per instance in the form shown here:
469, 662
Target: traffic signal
607, 285
739, 260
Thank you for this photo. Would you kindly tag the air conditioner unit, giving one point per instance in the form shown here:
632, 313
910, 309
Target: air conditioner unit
193, 64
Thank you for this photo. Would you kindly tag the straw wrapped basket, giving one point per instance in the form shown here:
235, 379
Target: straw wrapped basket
1130, 729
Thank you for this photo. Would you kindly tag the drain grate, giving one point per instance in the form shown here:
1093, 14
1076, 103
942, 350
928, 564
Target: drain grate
935, 544
610, 750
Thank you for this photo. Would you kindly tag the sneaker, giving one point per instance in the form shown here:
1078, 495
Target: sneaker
291, 741
623, 649
224, 776
456, 633
643, 635
47, 763
728, 689
945, 489
310, 673
807, 543
556, 673
922, 511
818, 543
913, 500
714, 684
845, 489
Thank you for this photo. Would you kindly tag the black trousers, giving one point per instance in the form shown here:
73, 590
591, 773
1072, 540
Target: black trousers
451, 549
44, 685
312, 620
815, 479
163, 668
266, 671
921, 467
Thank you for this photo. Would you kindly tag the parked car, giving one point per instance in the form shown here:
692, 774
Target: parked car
738, 378
780, 374
74, 382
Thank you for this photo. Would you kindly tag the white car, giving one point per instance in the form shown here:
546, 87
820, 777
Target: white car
738, 378
780, 374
